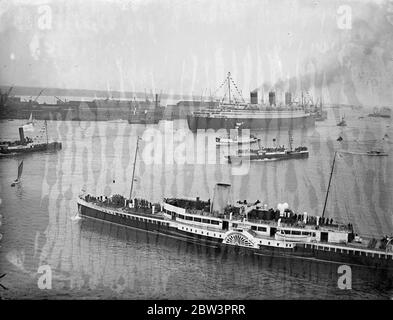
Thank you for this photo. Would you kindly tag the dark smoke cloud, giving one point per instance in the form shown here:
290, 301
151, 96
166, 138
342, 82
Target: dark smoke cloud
359, 58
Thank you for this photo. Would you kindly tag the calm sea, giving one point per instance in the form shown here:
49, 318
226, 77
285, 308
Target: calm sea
90, 259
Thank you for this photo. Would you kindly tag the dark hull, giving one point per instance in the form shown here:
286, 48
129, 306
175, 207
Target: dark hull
83, 111
52, 146
379, 115
311, 252
149, 117
197, 122
256, 157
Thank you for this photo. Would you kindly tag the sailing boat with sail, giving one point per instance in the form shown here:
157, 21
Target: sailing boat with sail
29, 126
18, 179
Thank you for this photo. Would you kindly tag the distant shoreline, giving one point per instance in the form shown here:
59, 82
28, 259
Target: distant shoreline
34, 91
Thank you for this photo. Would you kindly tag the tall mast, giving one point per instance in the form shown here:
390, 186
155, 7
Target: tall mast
46, 131
290, 139
229, 86
330, 180
133, 170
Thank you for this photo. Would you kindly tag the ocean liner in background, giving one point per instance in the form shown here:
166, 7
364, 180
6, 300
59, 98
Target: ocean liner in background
236, 113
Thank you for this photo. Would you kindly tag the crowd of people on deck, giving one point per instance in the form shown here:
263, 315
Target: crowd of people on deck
257, 213
16, 142
189, 204
283, 149
120, 201
285, 216
298, 149
276, 149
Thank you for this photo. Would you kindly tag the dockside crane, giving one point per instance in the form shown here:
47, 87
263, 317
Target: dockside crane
35, 100
4, 97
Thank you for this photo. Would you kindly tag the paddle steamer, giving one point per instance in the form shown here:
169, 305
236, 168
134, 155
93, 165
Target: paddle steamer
253, 228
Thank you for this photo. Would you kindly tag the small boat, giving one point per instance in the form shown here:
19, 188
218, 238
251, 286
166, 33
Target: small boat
376, 153
342, 123
27, 144
383, 112
295, 235
222, 141
270, 153
20, 170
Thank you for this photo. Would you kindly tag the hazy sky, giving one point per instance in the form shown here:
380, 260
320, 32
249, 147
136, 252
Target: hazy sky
188, 46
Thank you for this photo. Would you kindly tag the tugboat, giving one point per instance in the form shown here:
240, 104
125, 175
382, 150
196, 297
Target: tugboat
250, 228
27, 145
384, 112
376, 153
268, 154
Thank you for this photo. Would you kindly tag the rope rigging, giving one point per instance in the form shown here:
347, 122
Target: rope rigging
227, 81
224, 82
237, 90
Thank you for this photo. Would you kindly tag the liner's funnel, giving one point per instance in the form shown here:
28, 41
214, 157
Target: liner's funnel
254, 97
221, 198
272, 98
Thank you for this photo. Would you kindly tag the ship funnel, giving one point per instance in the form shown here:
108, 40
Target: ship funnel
21, 135
254, 97
221, 198
288, 98
272, 98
